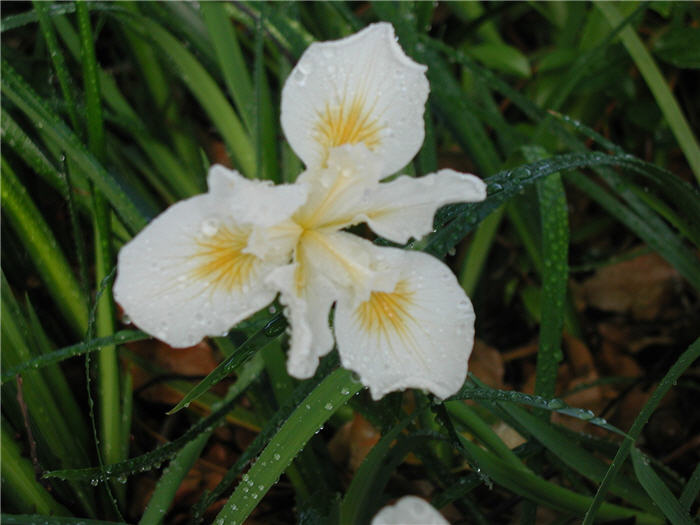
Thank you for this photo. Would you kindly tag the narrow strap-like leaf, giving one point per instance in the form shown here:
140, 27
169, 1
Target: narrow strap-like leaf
658, 491
483, 393
260, 339
680, 366
309, 416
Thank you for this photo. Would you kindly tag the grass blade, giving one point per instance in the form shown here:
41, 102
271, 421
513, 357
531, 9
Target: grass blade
534, 488
353, 505
658, 87
19, 484
691, 490
43, 406
271, 427
658, 491
257, 341
683, 362
59, 62
555, 272
308, 417
108, 367
41, 245
36, 519
201, 85
484, 393
134, 212
231, 62
454, 222
478, 252
577, 458
171, 479
123, 336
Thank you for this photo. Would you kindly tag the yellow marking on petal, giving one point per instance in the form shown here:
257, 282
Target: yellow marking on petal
221, 259
348, 124
387, 312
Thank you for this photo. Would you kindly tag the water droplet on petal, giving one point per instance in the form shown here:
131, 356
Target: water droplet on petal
210, 227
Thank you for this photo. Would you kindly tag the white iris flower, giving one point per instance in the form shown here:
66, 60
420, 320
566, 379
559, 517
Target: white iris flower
352, 109
409, 510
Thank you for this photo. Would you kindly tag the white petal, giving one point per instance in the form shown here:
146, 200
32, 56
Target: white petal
274, 243
254, 201
349, 262
307, 310
404, 208
338, 191
362, 88
419, 335
409, 510
185, 276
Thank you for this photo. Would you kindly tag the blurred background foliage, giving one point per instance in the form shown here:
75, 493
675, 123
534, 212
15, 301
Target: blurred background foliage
582, 265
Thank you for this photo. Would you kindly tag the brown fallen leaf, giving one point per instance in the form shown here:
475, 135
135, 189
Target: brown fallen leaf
351, 444
486, 363
641, 287
194, 361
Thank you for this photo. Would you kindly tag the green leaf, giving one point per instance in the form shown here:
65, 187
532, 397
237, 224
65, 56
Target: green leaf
19, 485
446, 93
147, 461
456, 221
18, 141
475, 425
108, 367
59, 64
172, 476
172, 170
500, 57
479, 249
659, 88
39, 241
483, 393
555, 273
658, 491
691, 490
123, 336
681, 364
308, 417
576, 457
202, 86
272, 425
534, 488
134, 212
680, 46
557, 58
260, 339
52, 428
36, 519
354, 508
231, 62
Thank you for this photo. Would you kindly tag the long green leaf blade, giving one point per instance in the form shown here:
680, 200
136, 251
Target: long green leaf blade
309, 416
664, 98
43, 248
13, 86
202, 87
658, 491
683, 362
259, 340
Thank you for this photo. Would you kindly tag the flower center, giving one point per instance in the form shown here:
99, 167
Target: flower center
348, 124
221, 259
385, 313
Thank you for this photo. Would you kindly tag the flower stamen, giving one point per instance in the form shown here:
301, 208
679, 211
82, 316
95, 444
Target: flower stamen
222, 261
348, 124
